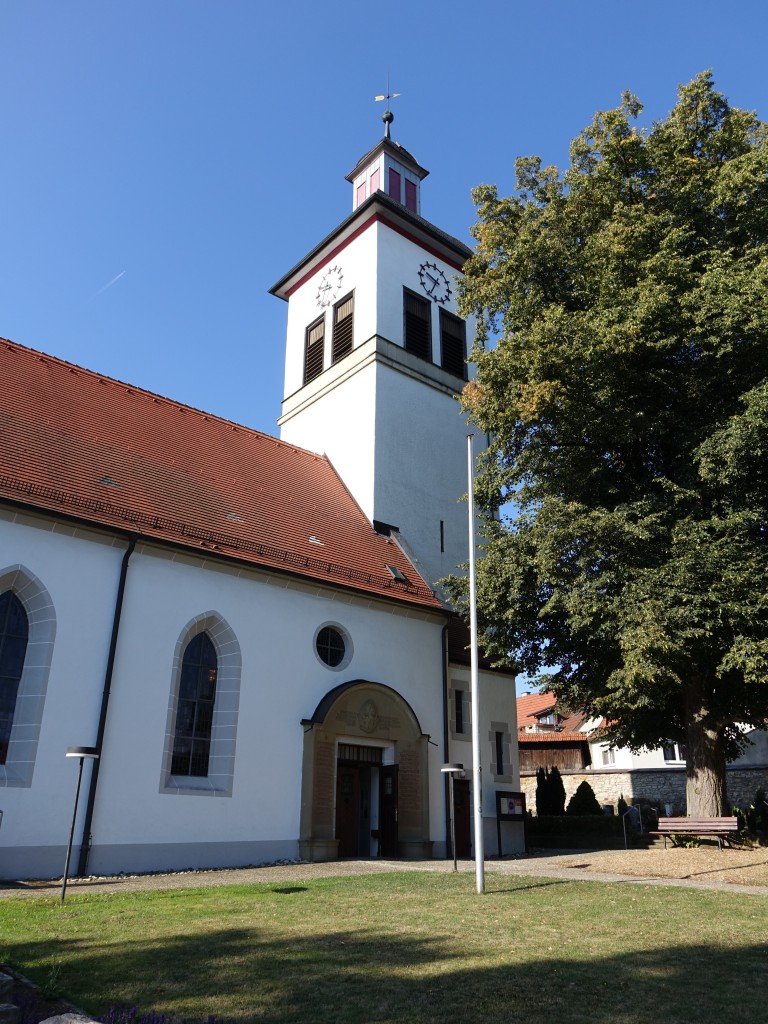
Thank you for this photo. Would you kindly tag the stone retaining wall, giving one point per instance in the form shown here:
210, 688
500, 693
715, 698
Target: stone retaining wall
659, 785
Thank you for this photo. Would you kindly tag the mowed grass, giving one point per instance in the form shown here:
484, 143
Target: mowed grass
415, 947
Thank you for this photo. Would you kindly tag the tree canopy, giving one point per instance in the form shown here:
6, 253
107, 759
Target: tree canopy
626, 399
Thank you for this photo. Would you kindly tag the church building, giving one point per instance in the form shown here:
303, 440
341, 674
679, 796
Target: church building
250, 631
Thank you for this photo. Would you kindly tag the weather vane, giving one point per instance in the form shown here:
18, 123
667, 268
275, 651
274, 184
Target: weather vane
387, 117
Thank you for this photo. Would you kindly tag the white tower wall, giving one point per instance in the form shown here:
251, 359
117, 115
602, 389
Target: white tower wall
420, 455
388, 419
337, 417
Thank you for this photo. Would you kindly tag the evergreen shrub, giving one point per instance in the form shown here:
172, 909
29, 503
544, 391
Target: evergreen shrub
550, 791
556, 791
584, 801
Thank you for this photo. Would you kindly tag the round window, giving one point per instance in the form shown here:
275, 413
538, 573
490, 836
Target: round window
330, 646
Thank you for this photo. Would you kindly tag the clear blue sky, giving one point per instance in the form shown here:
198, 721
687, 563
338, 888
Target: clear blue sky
164, 162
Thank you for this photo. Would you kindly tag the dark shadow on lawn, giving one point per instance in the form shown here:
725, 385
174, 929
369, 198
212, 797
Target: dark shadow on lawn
524, 888
719, 871
354, 976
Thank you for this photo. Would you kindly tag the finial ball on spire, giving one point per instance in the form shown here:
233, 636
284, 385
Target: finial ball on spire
387, 117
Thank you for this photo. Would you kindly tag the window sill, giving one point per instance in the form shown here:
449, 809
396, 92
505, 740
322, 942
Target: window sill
190, 785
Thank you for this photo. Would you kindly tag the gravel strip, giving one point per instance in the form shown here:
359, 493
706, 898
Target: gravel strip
744, 871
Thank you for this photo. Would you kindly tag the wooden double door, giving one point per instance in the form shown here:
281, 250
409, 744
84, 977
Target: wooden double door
366, 809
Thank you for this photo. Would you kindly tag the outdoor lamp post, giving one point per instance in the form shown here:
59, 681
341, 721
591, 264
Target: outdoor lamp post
91, 753
452, 770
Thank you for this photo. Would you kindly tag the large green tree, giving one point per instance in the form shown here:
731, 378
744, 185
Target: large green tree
626, 398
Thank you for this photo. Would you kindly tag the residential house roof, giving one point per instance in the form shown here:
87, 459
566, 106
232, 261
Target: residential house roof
531, 706
552, 737
78, 444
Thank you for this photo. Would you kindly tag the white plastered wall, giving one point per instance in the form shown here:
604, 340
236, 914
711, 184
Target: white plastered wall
421, 470
498, 712
80, 571
342, 425
136, 825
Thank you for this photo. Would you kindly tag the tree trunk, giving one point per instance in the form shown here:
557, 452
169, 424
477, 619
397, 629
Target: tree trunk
705, 785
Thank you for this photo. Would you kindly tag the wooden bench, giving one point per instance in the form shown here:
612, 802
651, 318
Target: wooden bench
720, 828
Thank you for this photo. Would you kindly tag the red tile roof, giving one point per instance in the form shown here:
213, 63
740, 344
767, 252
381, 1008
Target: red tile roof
76, 443
552, 737
572, 723
531, 705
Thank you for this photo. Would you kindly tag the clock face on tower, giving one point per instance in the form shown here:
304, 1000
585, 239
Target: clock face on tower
329, 287
434, 282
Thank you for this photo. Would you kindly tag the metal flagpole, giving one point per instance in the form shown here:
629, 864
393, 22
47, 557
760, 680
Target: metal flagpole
477, 778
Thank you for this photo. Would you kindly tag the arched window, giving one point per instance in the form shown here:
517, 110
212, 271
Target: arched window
14, 633
206, 645
194, 714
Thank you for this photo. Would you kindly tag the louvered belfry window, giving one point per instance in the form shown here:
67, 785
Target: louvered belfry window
314, 349
453, 344
418, 325
394, 183
194, 714
14, 634
410, 194
343, 323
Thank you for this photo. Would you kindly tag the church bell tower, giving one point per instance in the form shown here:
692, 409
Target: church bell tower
376, 357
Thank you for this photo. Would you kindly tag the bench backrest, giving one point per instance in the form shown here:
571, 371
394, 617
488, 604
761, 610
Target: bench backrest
729, 824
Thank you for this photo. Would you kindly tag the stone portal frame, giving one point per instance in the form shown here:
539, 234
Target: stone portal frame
369, 712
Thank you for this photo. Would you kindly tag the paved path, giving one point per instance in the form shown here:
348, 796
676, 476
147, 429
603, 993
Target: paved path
546, 865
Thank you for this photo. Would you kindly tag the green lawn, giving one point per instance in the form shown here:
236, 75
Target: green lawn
414, 947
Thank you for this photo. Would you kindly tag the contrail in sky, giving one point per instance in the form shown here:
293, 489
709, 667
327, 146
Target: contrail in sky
109, 284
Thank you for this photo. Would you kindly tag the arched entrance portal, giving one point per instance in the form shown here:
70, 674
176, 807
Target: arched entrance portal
365, 789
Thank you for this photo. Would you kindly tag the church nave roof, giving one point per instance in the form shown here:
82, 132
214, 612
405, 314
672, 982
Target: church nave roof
81, 445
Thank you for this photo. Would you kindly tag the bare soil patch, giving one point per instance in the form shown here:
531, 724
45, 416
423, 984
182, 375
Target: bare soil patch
703, 863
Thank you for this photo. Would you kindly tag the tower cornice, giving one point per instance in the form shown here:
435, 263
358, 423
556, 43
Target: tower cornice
378, 208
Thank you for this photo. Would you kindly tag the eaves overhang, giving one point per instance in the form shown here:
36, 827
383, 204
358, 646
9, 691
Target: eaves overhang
405, 596
378, 208
396, 151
